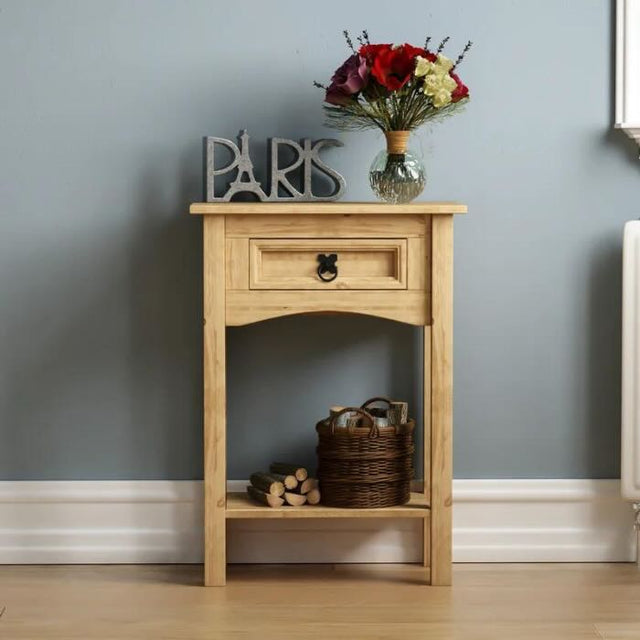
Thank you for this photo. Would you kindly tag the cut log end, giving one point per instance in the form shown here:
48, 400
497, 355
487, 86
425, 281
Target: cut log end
264, 498
306, 485
294, 499
313, 497
267, 483
288, 481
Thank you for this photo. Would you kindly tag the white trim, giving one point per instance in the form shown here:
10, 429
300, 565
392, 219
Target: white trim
628, 67
630, 414
161, 521
100, 521
541, 521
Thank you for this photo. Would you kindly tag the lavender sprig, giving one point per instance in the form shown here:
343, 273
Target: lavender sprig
363, 39
426, 43
463, 54
442, 44
347, 37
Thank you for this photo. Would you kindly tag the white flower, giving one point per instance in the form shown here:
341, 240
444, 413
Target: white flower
444, 63
441, 99
432, 84
423, 67
448, 83
438, 84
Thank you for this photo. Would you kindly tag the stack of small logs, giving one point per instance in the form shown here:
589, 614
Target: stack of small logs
284, 484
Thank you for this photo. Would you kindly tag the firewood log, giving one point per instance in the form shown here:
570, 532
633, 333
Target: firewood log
398, 412
267, 483
289, 482
294, 499
306, 485
264, 498
313, 497
289, 469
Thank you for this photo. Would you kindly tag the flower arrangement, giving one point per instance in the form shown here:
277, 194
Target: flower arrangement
394, 88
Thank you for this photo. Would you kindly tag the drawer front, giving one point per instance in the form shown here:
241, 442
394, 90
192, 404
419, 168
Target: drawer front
361, 263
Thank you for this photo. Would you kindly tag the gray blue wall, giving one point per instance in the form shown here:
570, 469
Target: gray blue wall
103, 105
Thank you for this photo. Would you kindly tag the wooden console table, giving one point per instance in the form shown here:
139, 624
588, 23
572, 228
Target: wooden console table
394, 262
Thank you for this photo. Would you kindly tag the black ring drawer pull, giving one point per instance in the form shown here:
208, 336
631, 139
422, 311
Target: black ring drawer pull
327, 265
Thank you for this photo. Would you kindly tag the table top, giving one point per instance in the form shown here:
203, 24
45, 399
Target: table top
334, 208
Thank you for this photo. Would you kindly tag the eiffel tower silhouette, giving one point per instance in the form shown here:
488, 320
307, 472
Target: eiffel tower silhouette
245, 180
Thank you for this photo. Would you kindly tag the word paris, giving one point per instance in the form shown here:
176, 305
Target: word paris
308, 157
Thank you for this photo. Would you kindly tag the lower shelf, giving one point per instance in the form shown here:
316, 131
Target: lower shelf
240, 506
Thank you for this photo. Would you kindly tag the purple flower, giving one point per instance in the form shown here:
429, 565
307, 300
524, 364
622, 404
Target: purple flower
348, 80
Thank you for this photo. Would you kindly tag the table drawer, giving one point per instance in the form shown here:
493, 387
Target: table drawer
360, 263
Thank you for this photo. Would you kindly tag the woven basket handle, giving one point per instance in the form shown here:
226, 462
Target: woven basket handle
373, 429
377, 399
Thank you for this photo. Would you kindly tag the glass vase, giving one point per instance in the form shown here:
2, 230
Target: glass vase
397, 175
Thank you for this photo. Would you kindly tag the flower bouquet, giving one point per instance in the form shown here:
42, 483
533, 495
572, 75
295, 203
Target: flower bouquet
396, 89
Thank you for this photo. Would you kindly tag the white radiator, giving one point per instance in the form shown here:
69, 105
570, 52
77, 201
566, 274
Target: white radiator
630, 458
630, 442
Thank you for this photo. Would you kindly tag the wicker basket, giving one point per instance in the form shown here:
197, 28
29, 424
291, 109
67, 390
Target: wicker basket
364, 466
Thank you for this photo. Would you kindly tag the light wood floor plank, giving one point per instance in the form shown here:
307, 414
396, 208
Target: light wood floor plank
342, 602
619, 631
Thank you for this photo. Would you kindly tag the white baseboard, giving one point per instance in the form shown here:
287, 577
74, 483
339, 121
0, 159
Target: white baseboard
542, 521
101, 521
161, 521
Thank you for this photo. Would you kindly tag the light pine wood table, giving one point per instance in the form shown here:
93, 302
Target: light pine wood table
393, 261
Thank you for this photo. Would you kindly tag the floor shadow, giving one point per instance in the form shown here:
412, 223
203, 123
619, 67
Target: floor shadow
370, 574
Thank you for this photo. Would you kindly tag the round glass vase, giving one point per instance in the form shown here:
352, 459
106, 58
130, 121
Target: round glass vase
397, 175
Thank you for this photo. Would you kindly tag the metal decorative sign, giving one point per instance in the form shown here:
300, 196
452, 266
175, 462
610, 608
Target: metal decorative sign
307, 157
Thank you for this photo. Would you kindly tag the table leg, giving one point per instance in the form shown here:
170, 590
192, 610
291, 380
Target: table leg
441, 398
426, 440
215, 474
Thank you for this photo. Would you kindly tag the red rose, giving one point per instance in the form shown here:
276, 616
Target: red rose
461, 91
418, 51
370, 51
391, 66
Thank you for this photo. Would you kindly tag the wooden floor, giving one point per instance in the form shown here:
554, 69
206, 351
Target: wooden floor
345, 602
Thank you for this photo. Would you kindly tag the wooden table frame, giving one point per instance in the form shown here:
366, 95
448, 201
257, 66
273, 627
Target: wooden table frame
417, 290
